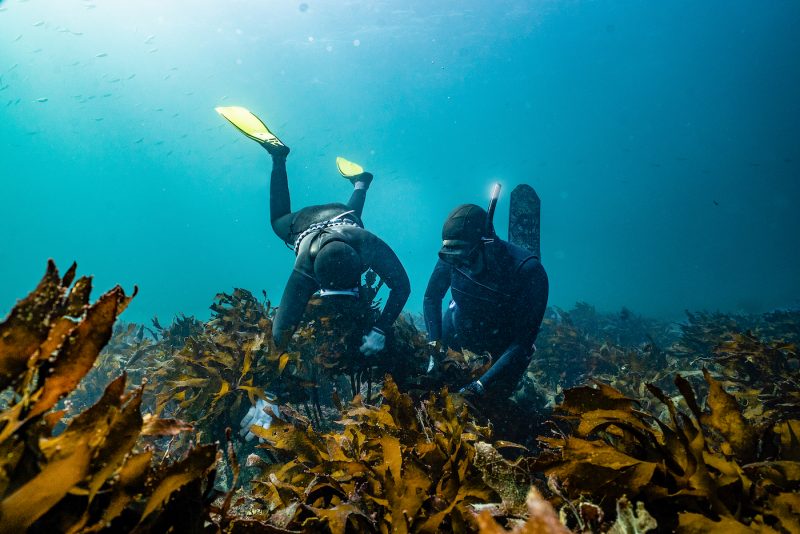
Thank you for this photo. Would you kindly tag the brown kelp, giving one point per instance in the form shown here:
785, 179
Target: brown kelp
95, 473
631, 448
399, 467
696, 465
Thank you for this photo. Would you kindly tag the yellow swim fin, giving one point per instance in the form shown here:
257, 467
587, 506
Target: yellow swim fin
348, 169
249, 124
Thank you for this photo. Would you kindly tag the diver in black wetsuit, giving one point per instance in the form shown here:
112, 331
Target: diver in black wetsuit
499, 295
333, 250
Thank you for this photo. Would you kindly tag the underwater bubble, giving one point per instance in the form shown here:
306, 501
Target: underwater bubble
310, 39
357, 42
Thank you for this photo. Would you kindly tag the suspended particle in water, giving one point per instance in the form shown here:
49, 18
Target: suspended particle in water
329, 48
238, 61
357, 42
310, 38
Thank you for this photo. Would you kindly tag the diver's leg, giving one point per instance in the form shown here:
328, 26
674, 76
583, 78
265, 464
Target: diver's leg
359, 195
280, 206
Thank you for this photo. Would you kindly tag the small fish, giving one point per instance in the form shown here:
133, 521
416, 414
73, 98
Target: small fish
101, 54
108, 95
153, 50
77, 34
132, 76
43, 99
18, 38
37, 24
716, 203
149, 39
115, 80
98, 119
138, 141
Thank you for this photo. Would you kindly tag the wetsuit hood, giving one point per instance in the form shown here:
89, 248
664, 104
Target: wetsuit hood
462, 233
337, 266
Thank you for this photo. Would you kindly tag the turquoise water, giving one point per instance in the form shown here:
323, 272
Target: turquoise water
663, 139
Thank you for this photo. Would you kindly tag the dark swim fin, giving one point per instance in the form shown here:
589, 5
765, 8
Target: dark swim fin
250, 125
523, 219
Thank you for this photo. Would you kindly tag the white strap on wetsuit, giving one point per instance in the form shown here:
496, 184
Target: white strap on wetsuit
352, 292
336, 221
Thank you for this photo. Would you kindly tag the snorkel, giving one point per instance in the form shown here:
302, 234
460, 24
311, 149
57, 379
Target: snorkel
488, 232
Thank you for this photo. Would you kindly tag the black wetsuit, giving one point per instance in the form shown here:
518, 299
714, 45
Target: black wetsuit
373, 252
499, 310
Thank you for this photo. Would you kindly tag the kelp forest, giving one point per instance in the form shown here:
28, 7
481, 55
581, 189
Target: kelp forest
621, 424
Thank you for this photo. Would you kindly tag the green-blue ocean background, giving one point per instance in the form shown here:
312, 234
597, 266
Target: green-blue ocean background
662, 137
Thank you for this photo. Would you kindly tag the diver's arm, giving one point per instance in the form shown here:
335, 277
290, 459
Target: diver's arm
438, 285
296, 295
387, 265
508, 369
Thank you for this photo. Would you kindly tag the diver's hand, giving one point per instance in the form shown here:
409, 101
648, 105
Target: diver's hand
373, 343
258, 415
437, 350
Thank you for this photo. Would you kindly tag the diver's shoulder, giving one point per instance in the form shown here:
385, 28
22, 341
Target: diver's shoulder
520, 255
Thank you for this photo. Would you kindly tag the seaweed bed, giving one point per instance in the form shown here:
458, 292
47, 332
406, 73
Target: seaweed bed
621, 424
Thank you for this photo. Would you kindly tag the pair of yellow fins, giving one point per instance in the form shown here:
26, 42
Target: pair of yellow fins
255, 129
